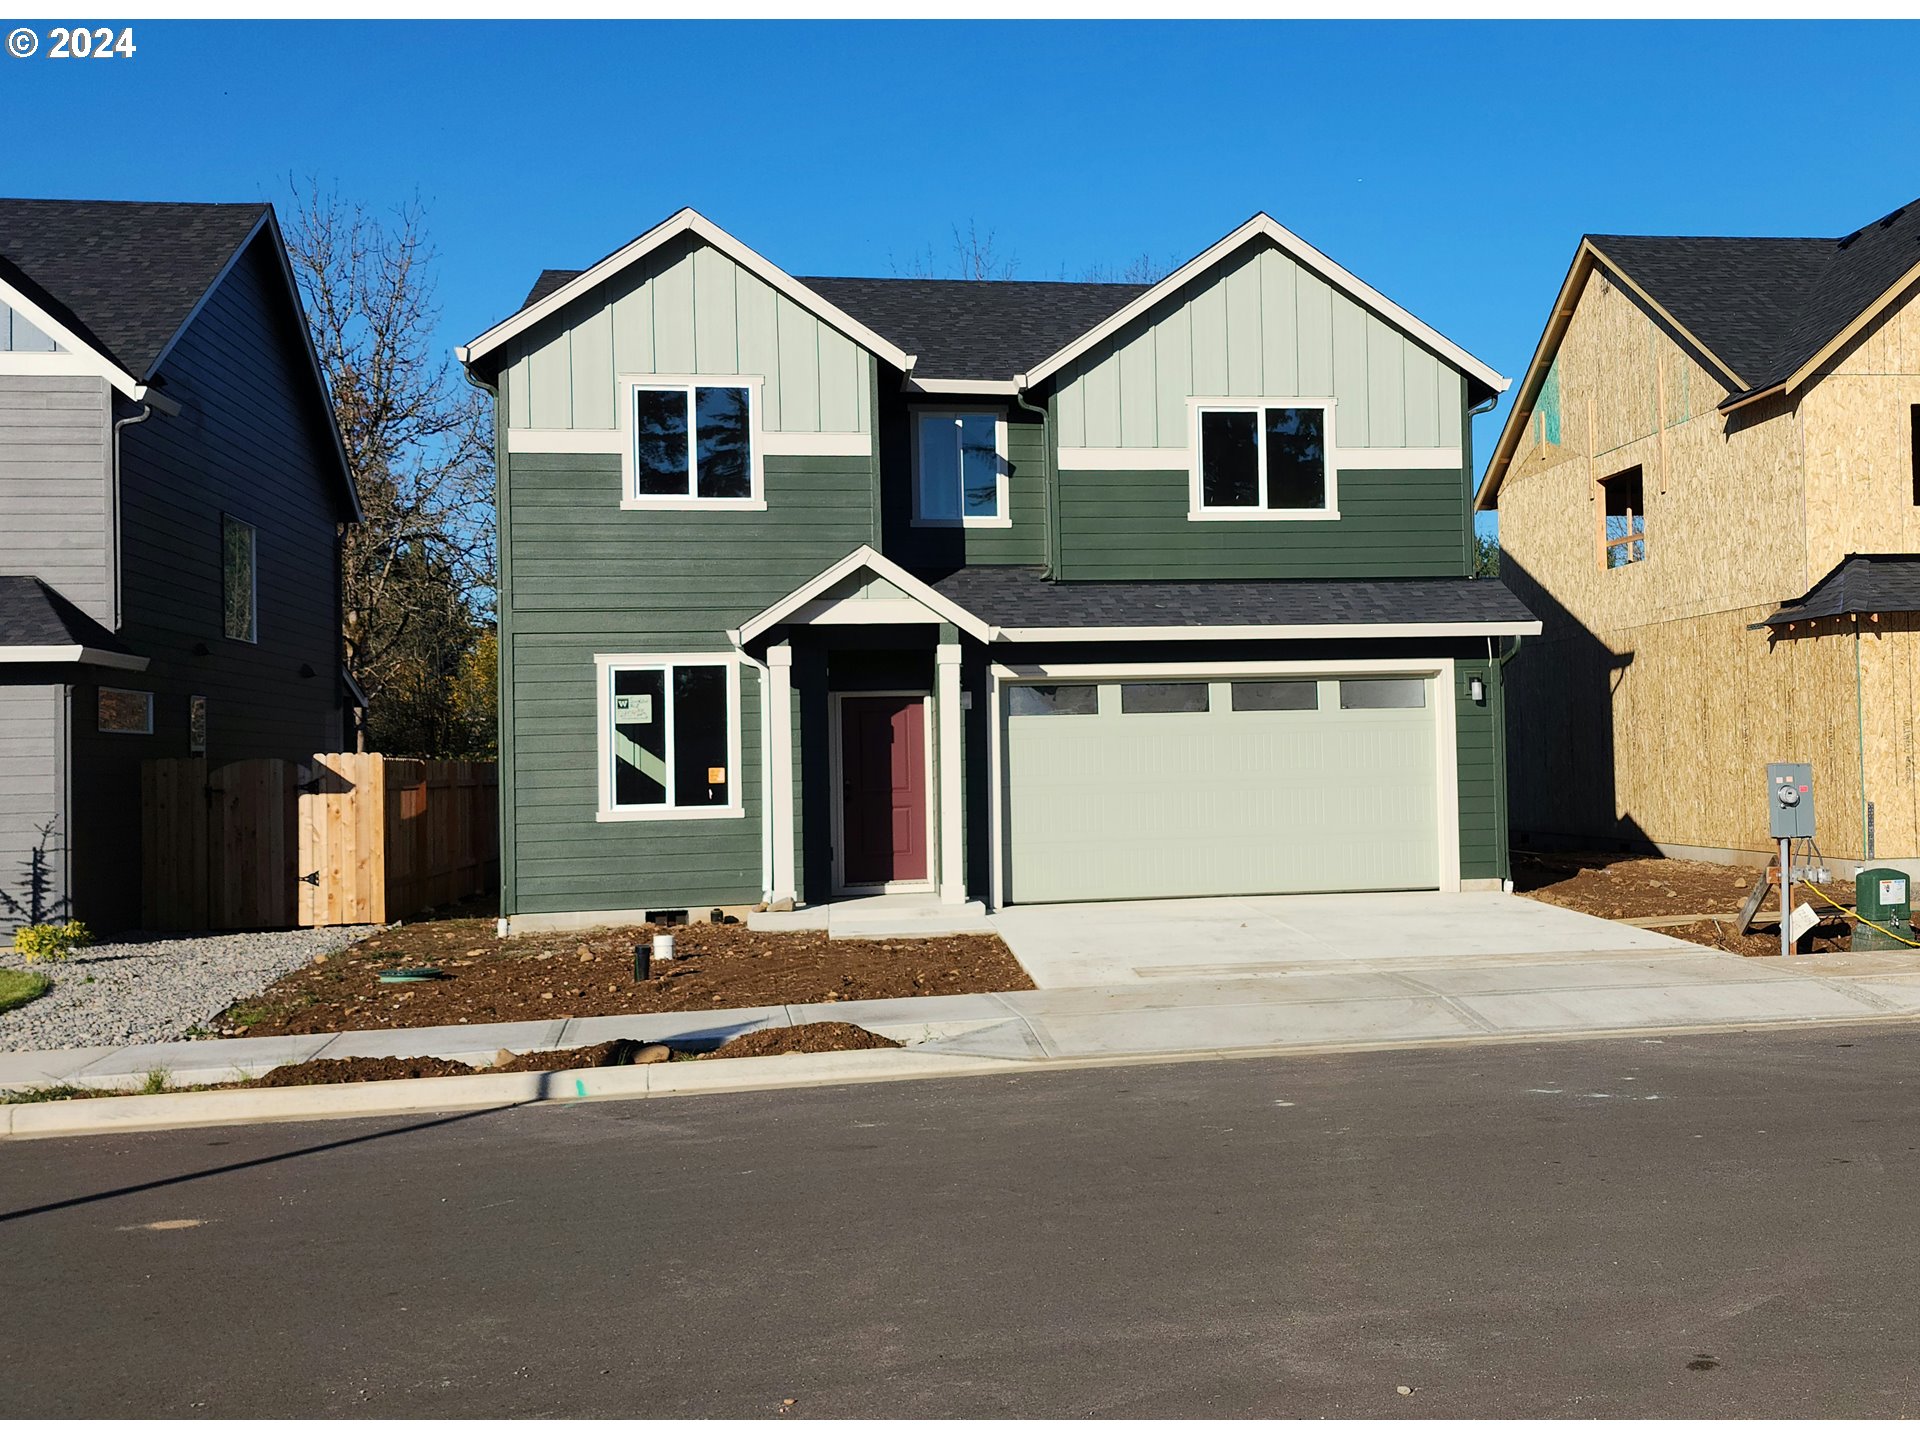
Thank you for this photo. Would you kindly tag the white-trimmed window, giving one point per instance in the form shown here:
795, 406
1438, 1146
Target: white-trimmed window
692, 443
125, 712
960, 467
239, 581
1263, 460
669, 737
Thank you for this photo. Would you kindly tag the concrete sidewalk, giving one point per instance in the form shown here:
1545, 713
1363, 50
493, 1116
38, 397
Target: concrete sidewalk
1312, 1004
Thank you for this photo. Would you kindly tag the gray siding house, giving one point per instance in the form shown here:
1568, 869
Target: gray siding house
172, 492
1005, 592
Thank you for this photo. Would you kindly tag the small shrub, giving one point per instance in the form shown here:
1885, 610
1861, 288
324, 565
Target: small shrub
51, 942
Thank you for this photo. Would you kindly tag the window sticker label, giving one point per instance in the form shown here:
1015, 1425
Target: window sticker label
634, 709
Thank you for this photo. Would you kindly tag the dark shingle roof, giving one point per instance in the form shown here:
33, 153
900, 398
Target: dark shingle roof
124, 274
1858, 585
975, 329
32, 612
1019, 597
958, 329
1766, 306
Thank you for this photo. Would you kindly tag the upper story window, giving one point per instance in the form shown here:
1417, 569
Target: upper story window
239, 586
960, 468
692, 444
1623, 535
1263, 460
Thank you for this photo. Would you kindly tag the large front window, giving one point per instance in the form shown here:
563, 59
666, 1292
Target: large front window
960, 467
1263, 459
692, 443
671, 736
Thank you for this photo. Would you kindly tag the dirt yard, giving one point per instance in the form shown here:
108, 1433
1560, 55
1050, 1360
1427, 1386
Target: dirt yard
1622, 887
546, 977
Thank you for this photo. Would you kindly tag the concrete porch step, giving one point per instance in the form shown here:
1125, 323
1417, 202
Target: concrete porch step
877, 917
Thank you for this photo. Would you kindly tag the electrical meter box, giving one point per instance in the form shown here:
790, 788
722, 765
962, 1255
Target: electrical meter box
1790, 800
1886, 898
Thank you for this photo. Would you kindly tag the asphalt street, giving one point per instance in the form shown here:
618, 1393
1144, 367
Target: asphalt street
1714, 1225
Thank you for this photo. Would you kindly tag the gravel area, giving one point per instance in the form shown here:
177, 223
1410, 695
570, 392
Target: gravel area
143, 989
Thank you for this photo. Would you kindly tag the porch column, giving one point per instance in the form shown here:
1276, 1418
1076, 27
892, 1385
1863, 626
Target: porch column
953, 888
779, 779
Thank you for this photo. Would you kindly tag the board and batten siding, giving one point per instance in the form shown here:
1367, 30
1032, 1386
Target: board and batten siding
584, 577
33, 869
55, 464
1260, 325
686, 309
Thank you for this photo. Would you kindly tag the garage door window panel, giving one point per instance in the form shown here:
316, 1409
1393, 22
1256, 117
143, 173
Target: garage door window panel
1276, 695
1398, 692
1030, 700
1164, 699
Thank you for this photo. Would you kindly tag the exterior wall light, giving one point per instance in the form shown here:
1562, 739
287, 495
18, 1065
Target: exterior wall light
1477, 688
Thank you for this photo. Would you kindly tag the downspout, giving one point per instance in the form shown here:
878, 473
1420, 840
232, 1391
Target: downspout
1500, 738
1051, 494
1860, 752
503, 659
113, 507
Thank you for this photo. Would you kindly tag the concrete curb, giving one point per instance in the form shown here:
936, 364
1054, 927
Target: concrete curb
363, 1099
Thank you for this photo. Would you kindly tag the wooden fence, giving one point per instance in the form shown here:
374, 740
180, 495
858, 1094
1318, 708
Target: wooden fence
340, 839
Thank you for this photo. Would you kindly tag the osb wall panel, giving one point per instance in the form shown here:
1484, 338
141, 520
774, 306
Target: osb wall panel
1860, 465
1714, 500
1660, 733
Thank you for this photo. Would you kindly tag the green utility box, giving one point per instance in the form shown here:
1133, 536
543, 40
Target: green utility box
1886, 898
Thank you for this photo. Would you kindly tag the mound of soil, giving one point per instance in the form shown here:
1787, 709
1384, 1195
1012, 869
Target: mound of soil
1623, 887
816, 1039
797, 1040
546, 977
371, 1067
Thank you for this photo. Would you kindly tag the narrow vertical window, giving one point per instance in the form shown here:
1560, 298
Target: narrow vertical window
1913, 449
960, 467
1623, 538
238, 582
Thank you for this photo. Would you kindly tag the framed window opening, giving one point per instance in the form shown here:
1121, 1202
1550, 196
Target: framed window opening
239, 580
1263, 459
691, 442
669, 737
958, 481
125, 712
1623, 519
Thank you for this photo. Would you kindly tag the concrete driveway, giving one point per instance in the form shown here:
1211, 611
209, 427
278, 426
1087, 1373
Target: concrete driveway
1144, 941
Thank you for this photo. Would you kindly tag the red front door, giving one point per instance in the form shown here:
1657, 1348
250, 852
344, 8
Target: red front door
883, 795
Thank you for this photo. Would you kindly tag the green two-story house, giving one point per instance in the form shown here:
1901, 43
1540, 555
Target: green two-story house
1004, 591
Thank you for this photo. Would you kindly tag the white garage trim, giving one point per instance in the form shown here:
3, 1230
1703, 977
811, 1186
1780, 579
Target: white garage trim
1446, 751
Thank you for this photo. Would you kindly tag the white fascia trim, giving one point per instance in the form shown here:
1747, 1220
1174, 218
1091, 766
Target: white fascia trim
915, 385
70, 655
1090, 457
1264, 225
1094, 457
565, 442
1430, 630
79, 353
941, 607
612, 442
680, 223
824, 442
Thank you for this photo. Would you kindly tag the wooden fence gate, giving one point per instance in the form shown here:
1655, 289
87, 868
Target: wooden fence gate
340, 839
218, 846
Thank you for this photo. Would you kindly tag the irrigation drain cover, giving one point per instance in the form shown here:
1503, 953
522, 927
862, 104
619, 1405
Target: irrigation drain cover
407, 975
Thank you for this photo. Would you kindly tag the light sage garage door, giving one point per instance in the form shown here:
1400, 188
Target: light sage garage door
1121, 790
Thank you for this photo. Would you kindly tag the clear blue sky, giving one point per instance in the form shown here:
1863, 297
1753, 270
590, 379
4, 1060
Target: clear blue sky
1453, 166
